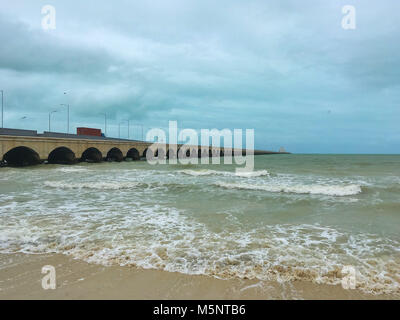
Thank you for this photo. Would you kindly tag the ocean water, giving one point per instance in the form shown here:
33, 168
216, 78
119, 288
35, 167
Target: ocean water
296, 217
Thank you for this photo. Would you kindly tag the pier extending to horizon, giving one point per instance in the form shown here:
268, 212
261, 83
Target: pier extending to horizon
27, 147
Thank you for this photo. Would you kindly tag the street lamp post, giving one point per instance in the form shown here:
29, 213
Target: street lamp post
66, 105
105, 123
141, 125
2, 109
119, 129
50, 119
128, 127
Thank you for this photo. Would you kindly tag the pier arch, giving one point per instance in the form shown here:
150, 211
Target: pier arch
133, 153
115, 154
161, 153
183, 152
171, 153
21, 156
215, 153
62, 155
149, 153
92, 155
204, 153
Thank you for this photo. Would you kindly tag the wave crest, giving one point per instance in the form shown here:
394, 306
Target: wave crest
71, 169
249, 174
330, 190
115, 185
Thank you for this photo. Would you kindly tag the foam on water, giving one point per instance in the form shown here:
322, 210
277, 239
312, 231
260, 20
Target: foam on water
112, 185
202, 172
71, 169
330, 190
207, 172
252, 174
166, 239
174, 220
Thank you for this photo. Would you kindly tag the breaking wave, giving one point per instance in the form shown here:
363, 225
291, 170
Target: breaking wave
330, 190
115, 185
165, 239
207, 172
168, 219
71, 169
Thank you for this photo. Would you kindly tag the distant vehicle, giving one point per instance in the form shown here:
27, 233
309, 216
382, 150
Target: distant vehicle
88, 132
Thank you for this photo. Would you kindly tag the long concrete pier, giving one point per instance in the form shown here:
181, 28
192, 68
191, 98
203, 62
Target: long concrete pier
26, 147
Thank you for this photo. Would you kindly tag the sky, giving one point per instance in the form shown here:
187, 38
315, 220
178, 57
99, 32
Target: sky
285, 68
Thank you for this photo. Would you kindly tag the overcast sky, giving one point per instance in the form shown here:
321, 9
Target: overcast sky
285, 68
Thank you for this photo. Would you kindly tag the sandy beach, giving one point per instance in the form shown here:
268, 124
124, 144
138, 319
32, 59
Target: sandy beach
20, 278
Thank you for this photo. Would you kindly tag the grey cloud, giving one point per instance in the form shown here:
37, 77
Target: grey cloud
27, 50
276, 66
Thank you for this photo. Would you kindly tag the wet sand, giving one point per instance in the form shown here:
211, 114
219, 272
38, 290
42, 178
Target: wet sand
21, 277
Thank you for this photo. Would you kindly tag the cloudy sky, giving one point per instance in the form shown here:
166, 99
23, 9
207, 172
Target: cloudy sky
286, 68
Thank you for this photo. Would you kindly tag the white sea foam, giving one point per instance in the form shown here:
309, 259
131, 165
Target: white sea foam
201, 172
113, 185
330, 190
142, 226
71, 169
208, 172
252, 174
165, 239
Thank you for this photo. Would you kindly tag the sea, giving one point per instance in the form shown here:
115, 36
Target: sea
295, 217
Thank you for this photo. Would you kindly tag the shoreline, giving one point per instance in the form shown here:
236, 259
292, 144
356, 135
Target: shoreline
20, 278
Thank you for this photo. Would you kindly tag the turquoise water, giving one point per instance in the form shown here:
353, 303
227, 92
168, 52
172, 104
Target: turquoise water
296, 217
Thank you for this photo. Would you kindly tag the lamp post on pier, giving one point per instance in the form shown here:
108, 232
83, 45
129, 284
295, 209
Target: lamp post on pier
119, 128
105, 123
50, 119
66, 105
2, 108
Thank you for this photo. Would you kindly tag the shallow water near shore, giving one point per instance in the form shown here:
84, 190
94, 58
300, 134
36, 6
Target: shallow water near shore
295, 218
